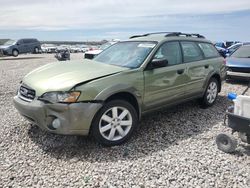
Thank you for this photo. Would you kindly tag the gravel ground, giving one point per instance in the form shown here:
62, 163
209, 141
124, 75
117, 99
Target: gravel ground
174, 147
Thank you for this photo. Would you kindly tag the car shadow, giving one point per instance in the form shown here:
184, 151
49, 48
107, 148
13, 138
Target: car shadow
20, 58
157, 131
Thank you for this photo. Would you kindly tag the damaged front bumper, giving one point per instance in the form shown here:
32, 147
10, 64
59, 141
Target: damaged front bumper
59, 118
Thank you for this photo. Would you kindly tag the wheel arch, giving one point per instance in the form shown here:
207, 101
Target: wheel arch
217, 77
15, 49
128, 97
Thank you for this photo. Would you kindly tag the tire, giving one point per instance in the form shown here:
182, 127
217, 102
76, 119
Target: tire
107, 128
226, 143
210, 94
15, 52
36, 50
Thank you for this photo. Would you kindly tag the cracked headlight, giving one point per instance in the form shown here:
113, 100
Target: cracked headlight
64, 97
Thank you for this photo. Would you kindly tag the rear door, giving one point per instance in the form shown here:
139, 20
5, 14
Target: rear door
197, 67
166, 84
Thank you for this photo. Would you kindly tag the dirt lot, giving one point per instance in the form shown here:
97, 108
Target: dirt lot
174, 147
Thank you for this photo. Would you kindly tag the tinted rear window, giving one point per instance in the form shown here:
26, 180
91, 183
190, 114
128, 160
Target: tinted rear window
208, 50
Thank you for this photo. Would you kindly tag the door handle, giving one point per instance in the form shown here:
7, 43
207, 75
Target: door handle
180, 71
206, 66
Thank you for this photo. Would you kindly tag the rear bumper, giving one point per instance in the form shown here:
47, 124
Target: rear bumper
75, 118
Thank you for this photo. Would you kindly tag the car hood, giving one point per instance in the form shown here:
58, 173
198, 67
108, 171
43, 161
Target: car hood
62, 76
4, 46
238, 62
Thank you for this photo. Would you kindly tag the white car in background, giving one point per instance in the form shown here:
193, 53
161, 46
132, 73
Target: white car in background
48, 48
92, 53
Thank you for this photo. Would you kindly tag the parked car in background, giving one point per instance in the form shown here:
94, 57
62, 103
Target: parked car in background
74, 49
21, 46
238, 63
222, 51
93, 53
220, 45
107, 96
49, 48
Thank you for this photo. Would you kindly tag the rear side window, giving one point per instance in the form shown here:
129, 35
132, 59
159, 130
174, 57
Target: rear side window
208, 50
191, 52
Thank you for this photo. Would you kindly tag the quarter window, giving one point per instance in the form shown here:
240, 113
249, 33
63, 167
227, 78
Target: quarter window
170, 51
208, 50
191, 52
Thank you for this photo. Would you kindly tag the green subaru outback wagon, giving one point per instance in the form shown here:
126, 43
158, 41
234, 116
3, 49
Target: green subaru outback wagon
107, 96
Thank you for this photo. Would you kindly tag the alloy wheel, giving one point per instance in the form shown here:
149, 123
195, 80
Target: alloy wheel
115, 123
212, 91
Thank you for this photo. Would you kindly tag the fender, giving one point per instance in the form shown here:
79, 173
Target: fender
121, 88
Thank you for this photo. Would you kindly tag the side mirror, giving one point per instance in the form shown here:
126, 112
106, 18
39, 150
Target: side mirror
157, 63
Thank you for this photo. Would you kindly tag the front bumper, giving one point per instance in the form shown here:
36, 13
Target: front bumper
238, 75
75, 118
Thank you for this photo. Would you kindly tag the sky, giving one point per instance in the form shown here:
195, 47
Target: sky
87, 20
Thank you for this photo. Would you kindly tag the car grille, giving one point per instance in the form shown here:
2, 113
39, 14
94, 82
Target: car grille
239, 69
26, 93
89, 56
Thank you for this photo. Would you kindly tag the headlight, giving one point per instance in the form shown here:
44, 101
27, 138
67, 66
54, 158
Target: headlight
67, 97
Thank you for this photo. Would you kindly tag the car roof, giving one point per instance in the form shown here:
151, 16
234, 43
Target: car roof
159, 37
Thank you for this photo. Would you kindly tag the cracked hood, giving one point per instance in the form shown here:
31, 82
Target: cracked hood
62, 76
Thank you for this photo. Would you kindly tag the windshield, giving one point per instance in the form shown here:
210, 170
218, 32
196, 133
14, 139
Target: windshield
126, 54
9, 42
242, 52
104, 46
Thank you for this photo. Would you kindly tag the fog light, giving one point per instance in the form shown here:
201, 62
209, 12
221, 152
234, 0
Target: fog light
56, 123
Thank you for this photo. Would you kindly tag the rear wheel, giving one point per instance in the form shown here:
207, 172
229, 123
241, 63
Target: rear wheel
211, 93
15, 53
114, 123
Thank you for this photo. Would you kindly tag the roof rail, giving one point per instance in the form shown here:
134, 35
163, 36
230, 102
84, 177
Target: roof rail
170, 34
184, 34
154, 33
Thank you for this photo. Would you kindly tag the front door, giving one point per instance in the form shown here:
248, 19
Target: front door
166, 84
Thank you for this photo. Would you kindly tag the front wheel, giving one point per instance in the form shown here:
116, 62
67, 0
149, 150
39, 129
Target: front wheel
211, 93
114, 123
15, 53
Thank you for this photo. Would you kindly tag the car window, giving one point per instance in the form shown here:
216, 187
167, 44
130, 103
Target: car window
191, 52
20, 41
170, 51
26, 40
208, 50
